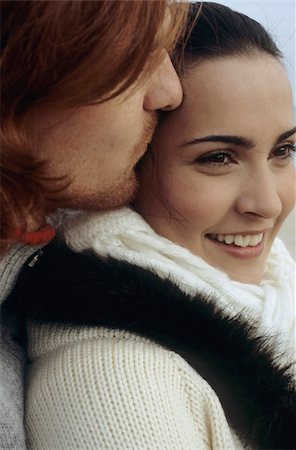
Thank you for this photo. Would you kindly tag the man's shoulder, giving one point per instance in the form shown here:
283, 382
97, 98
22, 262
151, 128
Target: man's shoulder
12, 357
11, 264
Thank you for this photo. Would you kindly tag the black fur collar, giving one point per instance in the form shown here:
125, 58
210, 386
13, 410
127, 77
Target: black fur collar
257, 394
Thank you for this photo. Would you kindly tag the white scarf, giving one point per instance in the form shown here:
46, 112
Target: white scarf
123, 234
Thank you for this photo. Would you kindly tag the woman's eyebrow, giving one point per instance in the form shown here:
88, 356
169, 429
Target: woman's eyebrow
285, 135
235, 140
228, 139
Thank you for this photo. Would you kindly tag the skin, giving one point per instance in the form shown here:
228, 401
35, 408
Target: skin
193, 190
98, 146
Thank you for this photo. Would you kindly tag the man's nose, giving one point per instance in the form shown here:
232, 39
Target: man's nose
164, 89
259, 196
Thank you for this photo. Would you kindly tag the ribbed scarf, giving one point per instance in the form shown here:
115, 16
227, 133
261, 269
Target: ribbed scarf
123, 234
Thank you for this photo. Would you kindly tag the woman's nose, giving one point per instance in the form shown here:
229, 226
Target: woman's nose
260, 196
164, 88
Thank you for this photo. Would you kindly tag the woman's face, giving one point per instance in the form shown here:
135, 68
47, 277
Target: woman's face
224, 179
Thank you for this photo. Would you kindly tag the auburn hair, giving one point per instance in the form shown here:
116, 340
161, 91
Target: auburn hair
63, 54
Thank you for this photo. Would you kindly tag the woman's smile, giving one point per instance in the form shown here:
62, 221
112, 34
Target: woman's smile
238, 239
239, 245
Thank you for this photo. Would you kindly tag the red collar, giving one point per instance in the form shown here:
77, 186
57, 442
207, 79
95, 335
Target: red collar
45, 234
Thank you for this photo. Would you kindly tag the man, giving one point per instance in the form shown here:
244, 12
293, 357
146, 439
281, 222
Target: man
81, 84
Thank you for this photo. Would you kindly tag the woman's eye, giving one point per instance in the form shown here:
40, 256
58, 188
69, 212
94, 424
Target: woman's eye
285, 151
215, 159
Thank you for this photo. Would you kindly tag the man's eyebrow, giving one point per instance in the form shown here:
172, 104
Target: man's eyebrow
285, 135
227, 139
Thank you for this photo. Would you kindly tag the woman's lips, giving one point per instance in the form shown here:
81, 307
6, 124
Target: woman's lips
241, 246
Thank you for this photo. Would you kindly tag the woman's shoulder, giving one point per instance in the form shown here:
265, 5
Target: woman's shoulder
110, 348
98, 372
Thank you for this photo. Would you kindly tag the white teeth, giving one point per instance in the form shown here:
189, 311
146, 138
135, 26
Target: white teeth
253, 241
238, 239
246, 240
229, 238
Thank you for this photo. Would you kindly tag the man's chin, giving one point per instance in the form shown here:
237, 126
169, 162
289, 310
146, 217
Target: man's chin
123, 195
113, 197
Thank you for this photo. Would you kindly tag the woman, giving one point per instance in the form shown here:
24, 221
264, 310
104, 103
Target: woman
176, 331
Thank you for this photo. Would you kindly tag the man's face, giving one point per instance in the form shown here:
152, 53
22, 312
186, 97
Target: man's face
96, 147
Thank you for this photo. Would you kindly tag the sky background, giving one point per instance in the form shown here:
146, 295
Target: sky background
279, 18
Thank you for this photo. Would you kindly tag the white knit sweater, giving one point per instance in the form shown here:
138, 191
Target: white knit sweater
93, 388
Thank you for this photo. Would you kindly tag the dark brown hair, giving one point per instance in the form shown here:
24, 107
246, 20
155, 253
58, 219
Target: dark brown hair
64, 54
218, 31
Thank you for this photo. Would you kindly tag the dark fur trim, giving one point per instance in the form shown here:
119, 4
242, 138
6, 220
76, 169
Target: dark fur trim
257, 394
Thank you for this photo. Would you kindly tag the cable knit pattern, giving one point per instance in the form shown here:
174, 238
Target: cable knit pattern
93, 388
